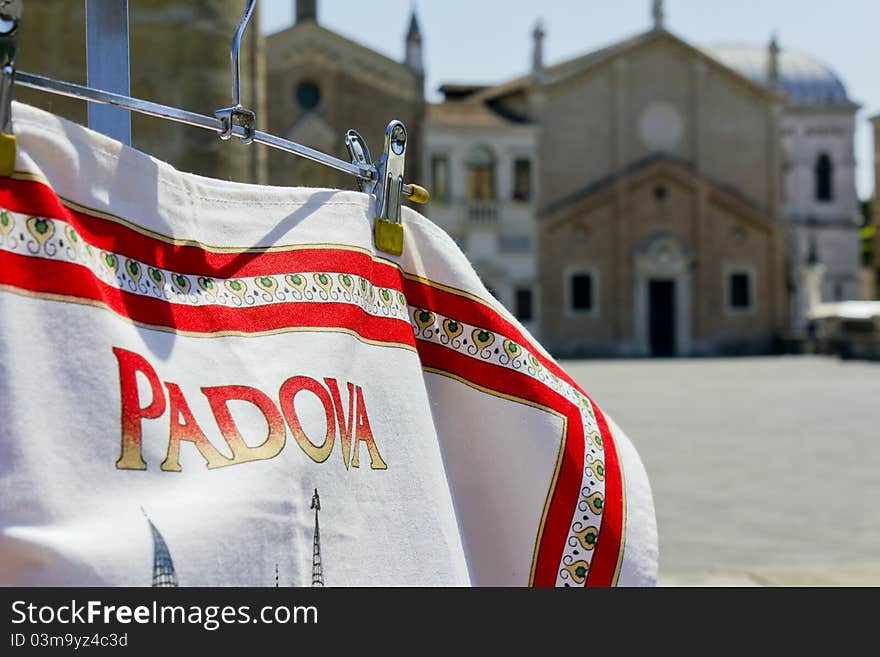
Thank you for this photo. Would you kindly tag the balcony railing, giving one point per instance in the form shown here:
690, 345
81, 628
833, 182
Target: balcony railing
514, 243
481, 212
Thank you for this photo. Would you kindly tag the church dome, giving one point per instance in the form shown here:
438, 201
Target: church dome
804, 80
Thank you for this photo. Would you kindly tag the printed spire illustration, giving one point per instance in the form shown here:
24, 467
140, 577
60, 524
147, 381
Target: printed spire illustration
163, 566
317, 567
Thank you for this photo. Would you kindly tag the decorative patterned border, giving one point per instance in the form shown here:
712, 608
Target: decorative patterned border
495, 349
54, 239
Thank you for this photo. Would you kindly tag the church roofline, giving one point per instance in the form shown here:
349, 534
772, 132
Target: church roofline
850, 107
654, 35
454, 91
467, 114
805, 79
580, 64
813, 221
367, 51
667, 164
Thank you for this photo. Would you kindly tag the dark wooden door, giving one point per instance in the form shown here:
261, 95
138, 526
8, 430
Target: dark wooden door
661, 302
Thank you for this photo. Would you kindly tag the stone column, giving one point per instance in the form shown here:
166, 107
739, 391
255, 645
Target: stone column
620, 276
876, 121
705, 259
776, 286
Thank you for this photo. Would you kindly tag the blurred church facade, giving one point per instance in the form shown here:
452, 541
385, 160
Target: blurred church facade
652, 197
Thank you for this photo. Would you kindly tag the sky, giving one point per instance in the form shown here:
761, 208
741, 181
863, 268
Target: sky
490, 40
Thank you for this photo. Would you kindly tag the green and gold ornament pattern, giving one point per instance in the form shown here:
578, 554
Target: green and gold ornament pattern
27, 235
498, 349
57, 240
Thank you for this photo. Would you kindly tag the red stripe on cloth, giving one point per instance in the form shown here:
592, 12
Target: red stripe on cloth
489, 375
464, 309
604, 564
566, 493
563, 502
35, 198
43, 276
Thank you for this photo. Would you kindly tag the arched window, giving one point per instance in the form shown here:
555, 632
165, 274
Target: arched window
824, 178
480, 181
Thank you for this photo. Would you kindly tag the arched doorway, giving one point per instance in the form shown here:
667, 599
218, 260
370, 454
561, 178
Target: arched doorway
663, 299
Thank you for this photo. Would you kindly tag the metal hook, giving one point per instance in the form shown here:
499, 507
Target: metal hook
236, 113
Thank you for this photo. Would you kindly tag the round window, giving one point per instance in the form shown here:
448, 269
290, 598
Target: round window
308, 95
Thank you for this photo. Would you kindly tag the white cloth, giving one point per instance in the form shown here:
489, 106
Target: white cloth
186, 362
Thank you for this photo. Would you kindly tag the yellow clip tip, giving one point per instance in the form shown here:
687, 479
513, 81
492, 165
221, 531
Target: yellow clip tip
419, 194
7, 154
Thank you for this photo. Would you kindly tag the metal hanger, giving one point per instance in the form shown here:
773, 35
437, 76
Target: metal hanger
382, 179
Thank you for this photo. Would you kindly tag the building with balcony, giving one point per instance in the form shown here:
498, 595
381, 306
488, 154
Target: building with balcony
481, 166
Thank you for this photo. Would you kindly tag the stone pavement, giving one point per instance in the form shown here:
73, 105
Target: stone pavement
861, 574
765, 471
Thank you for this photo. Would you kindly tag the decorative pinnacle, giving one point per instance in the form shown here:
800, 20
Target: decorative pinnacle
657, 13
773, 76
414, 32
538, 35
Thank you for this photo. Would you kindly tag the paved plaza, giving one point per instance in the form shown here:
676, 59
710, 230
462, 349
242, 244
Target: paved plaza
764, 470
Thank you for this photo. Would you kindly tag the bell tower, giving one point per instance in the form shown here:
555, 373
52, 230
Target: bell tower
306, 10
414, 56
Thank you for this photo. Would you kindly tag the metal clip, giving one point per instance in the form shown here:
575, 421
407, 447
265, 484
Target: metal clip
236, 114
360, 157
388, 190
383, 179
10, 16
